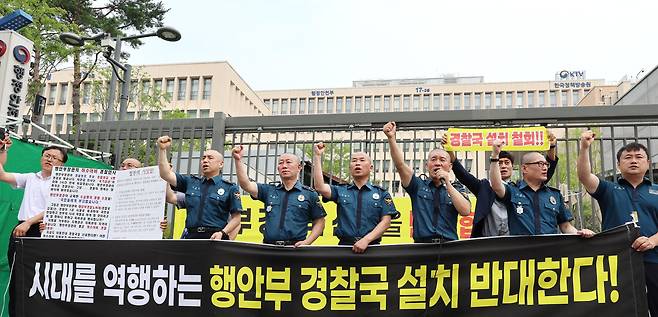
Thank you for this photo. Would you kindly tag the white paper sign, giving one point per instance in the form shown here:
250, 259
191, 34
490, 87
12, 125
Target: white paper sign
87, 203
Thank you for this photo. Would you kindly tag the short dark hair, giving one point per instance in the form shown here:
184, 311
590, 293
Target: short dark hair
632, 147
507, 155
65, 156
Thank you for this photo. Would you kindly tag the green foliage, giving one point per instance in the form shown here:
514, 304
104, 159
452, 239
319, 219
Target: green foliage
47, 23
336, 158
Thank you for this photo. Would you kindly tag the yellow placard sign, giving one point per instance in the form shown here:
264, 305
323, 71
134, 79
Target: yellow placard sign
516, 139
400, 231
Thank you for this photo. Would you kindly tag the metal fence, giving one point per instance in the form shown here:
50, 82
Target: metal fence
265, 138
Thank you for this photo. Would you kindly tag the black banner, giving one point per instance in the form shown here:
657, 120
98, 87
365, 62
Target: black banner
553, 275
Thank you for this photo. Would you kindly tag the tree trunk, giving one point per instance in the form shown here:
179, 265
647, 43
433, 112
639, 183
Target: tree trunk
75, 96
36, 84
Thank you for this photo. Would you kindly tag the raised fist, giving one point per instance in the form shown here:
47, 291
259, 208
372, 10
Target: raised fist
237, 152
164, 142
318, 148
586, 139
389, 129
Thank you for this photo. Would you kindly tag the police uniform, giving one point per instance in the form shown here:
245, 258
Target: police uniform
209, 204
534, 212
434, 215
288, 213
360, 210
619, 202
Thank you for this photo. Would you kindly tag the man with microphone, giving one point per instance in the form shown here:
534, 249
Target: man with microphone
435, 201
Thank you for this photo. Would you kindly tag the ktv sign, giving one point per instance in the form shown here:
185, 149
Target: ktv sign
566, 75
16, 60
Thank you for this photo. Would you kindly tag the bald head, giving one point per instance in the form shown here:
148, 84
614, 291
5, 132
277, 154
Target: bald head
212, 163
360, 165
130, 163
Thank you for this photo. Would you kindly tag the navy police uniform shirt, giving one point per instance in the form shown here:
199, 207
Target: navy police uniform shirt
434, 215
209, 201
534, 212
620, 200
288, 213
359, 211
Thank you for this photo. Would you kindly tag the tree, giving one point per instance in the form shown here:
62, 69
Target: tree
336, 159
141, 98
49, 51
114, 17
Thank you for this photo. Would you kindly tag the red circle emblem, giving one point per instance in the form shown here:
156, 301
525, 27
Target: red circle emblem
3, 48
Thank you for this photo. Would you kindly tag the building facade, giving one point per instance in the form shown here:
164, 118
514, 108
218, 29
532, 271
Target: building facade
198, 89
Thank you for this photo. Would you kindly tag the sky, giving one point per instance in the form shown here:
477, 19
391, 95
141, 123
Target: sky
295, 44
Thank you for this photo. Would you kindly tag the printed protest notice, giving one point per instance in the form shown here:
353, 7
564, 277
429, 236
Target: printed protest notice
87, 203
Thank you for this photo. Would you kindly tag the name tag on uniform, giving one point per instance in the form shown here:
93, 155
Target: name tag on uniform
653, 191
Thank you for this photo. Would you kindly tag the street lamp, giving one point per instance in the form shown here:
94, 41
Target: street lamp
114, 45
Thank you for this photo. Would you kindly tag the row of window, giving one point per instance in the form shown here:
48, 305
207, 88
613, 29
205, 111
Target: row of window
182, 85
59, 119
426, 102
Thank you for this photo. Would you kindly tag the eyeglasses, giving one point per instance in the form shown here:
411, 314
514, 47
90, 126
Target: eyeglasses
539, 163
49, 157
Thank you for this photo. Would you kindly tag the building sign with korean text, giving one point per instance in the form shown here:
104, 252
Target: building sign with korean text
16, 61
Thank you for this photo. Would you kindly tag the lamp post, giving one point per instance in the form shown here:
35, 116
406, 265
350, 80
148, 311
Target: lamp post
113, 45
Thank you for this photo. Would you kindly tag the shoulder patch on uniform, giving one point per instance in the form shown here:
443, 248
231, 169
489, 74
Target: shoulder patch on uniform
388, 201
553, 188
308, 188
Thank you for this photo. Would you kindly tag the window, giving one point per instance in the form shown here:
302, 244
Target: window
194, 89
59, 121
321, 105
436, 99
302, 106
563, 96
446, 101
426, 102
191, 113
416, 102
366, 104
330, 105
157, 85
542, 99
357, 104
293, 106
95, 117
378, 104
405, 146
519, 99
311, 106
182, 86
348, 105
83, 117
133, 91
553, 98
487, 100
170, 88
86, 93
478, 101
508, 100
467, 101
284, 106
69, 121
457, 101
146, 87
339, 105
52, 90
63, 93
130, 115
207, 86
387, 104
47, 120
531, 99
499, 100
576, 97
406, 103
204, 113
154, 115
275, 106
396, 103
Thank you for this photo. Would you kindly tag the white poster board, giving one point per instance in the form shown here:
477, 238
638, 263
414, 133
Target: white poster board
88, 203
